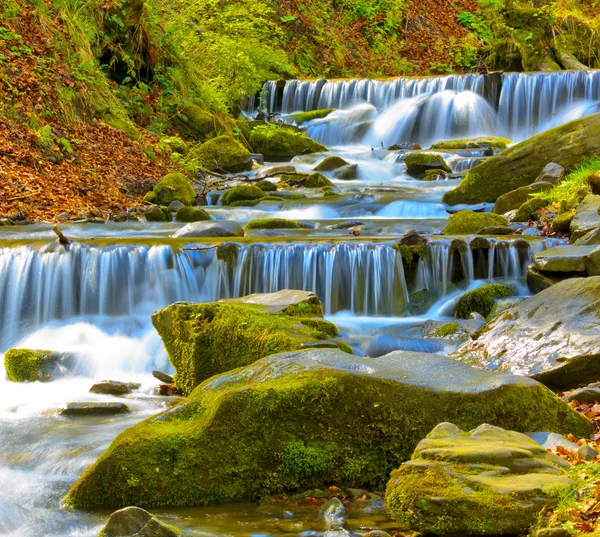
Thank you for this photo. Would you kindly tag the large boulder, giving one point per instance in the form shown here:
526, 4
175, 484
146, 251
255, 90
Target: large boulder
587, 217
27, 365
470, 222
241, 193
195, 121
221, 228
297, 420
281, 143
172, 187
220, 153
305, 117
514, 199
488, 481
135, 522
552, 336
191, 214
206, 339
520, 165
563, 259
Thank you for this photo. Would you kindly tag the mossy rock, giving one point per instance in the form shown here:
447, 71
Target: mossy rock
485, 142
276, 223
124, 125
347, 173
470, 222
330, 163
515, 198
530, 210
482, 299
195, 122
172, 187
434, 175
304, 419
255, 202
203, 340
305, 117
158, 214
418, 164
568, 145
220, 153
280, 143
135, 522
241, 193
191, 214
174, 144
316, 180
267, 186
483, 482
228, 252
562, 223
26, 365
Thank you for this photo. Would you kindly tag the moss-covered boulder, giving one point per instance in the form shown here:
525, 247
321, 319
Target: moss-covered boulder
172, 187
191, 214
267, 186
31, 365
158, 214
330, 163
203, 340
552, 336
135, 522
562, 223
470, 222
587, 217
277, 223
347, 173
530, 210
481, 300
483, 482
194, 121
306, 180
486, 142
515, 198
307, 418
280, 143
520, 165
220, 153
213, 229
418, 164
305, 117
174, 144
241, 193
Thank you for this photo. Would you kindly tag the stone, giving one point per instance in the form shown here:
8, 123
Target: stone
172, 187
586, 217
278, 143
591, 237
585, 395
587, 453
592, 263
111, 387
552, 336
191, 214
195, 121
277, 223
27, 365
347, 173
470, 222
563, 259
345, 225
241, 193
94, 409
221, 228
552, 173
486, 481
174, 144
496, 230
530, 210
562, 223
486, 142
163, 377
267, 186
220, 153
458, 330
377, 533
174, 206
405, 146
275, 170
330, 163
384, 344
302, 418
304, 117
538, 281
158, 214
62, 218
418, 164
567, 145
594, 181
481, 300
515, 198
136, 522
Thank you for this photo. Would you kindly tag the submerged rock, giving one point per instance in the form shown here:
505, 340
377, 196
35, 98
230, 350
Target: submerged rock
307, 418
552, 336
94, 409
172, 187
135, 522
33, 365
486, 481
114, 387
221, 228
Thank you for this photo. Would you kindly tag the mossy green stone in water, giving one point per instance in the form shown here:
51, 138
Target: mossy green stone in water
158, 214
563, 222
173, 187
282, 143
515, 198
28, 365
241, 193
304, 117
316, 180
276, 223
228, 252
255, 202
481, 300
175, 144
191, 214
470, 222
446, 330
473, 143
530, 210
299, 420
418, 164
220, 153
267, 186
330, 163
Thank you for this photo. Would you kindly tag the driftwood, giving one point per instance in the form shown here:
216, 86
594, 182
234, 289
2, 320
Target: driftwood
61, 238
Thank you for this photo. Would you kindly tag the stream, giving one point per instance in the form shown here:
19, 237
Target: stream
95, 298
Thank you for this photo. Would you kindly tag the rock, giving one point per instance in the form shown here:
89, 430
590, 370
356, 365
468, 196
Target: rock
347, 173
111, 387
592, 263
26, 365
594, 181
587, 453
496, 230
158, 214
418, 164
316, 180
282, 143
135, 522
220, 153
587, 217
552, 336
330, 163
203, 340
562, 223
305, 117
163, 377
94, 409
174, 206
486, 481
503, 304
585, 395
563, 259
195, 122
552, 532
345, 225
172, 187
267, 186
481, 300
377, 533
174, 144
470, 222
384, 344
165, 390
405, 146
291, 431
222, 228
459, 330
474, 143
552, 440
530, 210
191, 214
568, 145
241, 192
515, 198
277, 223
275, 170
552, 173
538, 281
591, 237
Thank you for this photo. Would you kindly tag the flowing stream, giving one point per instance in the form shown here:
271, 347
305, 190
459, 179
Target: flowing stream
94, 298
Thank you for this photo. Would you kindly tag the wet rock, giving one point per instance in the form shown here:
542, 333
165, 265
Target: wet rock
191, 214
481, 300
405, 146
503, 304
282, 143
486, 481
552, 173
94, 409
34, 365
585, 395
111, 387
515, 198
330, 163
552, 336
587, 453
221, 228
486, 142
293, 434
136, 522
384, 344
530, 210
470, 222
538, 281
174, 206
267, 186
165, 390
418, 164
304, 117
587, 217
158, 214
277, 223
496, 230
345, 225
592, 263
241, 193
591, 237
163, 377
275, 170
220, 153
562, 223
458, 330
563, 259
347, 173
172, 187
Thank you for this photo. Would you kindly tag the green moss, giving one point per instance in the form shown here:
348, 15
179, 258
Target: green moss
529, 210
304, 117
203, 340
418, 164
28, 365
195, 122
330, 163
158, 214
515, 198
562, 222
255, 202
410, 253
276, 223
474, 143
220, 153
241, 193
174, 144
328, 191
124, 125
267, 186
446, 330
316, 180
481, 300
172, 187
277, 143
228, 252
470, 222
327, 329
434, 175
191, 214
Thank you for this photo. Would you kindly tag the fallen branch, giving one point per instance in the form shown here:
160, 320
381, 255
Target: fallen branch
61, 238
198, 248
